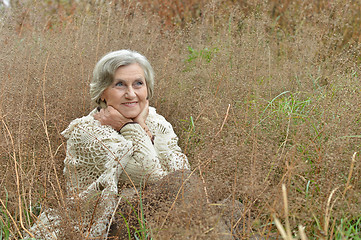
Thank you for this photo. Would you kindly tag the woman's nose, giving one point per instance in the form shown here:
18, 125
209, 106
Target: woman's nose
130, 93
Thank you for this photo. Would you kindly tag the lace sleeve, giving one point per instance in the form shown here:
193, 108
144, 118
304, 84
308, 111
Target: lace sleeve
166, 144
170, 153
92, 151
96, 156
145, 163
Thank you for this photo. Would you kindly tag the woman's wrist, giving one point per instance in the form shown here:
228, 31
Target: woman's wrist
123, 124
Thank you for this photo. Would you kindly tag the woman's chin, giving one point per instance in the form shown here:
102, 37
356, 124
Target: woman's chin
130, 115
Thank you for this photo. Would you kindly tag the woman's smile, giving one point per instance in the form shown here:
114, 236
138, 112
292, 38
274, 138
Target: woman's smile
130, 104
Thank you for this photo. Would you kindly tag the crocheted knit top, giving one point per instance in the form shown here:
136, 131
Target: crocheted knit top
99, 159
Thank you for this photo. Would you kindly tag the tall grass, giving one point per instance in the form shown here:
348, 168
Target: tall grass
260, 94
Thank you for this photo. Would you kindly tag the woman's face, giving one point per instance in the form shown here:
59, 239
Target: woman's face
128, 92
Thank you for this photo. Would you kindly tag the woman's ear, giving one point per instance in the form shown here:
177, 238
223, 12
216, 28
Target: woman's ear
102, 103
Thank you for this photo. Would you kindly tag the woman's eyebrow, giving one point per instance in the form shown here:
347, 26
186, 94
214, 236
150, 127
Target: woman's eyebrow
119, 80
136, 79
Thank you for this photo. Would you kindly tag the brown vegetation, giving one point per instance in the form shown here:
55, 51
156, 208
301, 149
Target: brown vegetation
260, 94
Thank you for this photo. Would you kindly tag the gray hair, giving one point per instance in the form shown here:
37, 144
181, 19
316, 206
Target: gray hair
103, 74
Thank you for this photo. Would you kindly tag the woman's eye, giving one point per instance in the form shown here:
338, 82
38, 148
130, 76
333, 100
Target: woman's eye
119, 84
138, 83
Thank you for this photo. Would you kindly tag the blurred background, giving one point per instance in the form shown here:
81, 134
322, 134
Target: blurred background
260, 93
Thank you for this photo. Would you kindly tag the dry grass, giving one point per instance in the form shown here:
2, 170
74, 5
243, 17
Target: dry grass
260, 94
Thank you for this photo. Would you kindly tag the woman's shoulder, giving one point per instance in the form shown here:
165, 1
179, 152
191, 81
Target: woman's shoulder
85, 123
154, 116
158, 121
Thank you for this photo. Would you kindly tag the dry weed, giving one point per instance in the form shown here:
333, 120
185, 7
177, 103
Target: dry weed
260, 94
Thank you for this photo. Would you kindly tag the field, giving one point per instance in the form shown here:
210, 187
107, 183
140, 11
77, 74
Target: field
262, 94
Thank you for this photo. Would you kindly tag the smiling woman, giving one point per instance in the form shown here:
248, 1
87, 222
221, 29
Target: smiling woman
128, 92
122, 141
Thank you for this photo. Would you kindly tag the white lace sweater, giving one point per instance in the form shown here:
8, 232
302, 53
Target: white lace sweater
99, 159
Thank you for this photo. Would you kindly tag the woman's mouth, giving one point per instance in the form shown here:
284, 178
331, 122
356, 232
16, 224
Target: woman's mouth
130, 104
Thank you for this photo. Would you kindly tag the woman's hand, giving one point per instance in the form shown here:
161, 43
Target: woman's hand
140, 119
111, 117
142, 115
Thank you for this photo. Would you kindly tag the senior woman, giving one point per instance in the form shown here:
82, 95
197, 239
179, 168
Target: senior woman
122, 141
